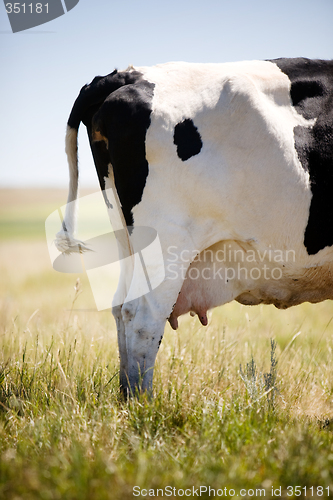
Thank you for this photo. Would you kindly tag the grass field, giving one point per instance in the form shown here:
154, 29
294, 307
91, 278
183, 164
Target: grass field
244, 406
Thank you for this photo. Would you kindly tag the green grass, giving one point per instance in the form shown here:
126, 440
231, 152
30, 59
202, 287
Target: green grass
65, 433
23, 211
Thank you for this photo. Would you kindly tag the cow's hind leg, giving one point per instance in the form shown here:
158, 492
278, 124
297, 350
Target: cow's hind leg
144, 334
123, 383
145, 314
126, 270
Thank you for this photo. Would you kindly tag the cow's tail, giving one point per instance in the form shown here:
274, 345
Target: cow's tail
65, 240
90, 95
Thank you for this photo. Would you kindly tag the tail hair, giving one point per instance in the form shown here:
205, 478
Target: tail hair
65, 241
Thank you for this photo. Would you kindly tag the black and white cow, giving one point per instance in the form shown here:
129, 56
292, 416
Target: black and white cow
232, 165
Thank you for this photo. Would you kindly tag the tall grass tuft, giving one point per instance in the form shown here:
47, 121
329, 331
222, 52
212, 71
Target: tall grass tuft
270, 377
260, 384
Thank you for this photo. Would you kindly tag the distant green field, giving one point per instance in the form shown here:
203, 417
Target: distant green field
23, 211
244, 406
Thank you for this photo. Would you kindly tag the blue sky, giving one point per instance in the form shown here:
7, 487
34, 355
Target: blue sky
43, 69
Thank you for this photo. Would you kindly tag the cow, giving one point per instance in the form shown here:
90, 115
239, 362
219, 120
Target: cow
232, 165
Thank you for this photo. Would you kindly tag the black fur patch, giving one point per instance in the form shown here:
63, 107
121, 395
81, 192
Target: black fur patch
123, 119
94, 94
187, 139
101, 160
119, 107
312, 95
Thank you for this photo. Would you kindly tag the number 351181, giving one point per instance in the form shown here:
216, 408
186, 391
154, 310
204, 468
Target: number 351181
16, 8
